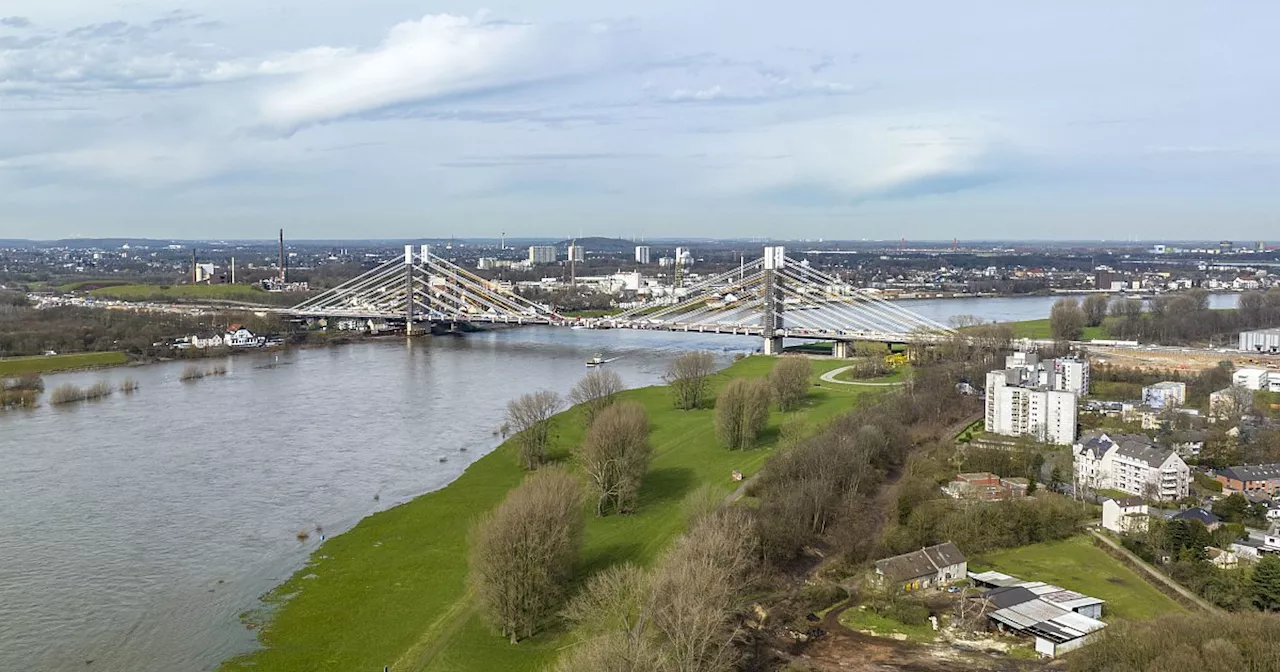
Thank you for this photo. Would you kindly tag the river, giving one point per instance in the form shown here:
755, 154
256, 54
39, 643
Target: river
135, 530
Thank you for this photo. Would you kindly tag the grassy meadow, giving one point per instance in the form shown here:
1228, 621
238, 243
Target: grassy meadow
13, 366
392, 590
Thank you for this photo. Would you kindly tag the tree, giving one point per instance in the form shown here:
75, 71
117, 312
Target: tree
1266, 583
688, 377
1067, 320
530, 419
680, 616
595, 391
615, 455
790, 381
742, 410
1095, 309
1231, 508
523, 553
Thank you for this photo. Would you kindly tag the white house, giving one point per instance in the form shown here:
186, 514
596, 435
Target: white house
239, 337
1128, 514
1132, 464
214, 341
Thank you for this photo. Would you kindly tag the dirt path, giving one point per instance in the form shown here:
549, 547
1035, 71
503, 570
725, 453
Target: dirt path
1156, 574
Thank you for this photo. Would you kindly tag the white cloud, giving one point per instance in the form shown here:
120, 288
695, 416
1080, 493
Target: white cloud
856, 157
434, 57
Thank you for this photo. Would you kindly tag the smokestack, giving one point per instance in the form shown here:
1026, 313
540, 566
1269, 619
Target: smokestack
282, 261
233, 270
195, 271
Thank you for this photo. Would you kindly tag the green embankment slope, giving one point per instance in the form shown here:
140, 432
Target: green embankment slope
392, 591
12, 366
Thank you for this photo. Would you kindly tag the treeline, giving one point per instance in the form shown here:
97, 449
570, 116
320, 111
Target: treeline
1184, 317
823, 488
1179, 548
1184, 643
25, 330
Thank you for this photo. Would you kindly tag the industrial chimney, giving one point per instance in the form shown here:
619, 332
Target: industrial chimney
282, 260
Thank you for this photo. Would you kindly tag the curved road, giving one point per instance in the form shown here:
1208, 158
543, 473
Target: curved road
830, 377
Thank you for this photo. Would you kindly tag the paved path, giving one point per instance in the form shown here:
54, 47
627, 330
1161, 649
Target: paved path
830, 377
1157, 574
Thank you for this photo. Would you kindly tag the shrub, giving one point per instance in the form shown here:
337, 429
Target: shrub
191, 372
66, 393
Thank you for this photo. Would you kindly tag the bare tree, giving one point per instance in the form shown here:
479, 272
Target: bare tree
523, 553
595, 391
680, 616
742, 410
615, 455
790, 381
696, 592
1095, 309
1067, 320
689, 379
530, 419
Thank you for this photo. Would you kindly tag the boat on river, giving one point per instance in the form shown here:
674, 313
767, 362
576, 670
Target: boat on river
596, 361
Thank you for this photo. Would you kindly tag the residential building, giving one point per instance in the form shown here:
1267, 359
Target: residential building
927, 567
1060, 620
1165, 395
486, 263
1127, 514
542, 254
1204, 516
1246, 549
1261, 340
1130, 463
1250, 478
1250, 379
642, 254
1230, 402
239, 337
1013, 409
683, 256
1066, 374
577, 253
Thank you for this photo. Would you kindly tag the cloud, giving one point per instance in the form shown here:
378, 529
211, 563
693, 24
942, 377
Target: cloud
439, 57
853, 159
15, 22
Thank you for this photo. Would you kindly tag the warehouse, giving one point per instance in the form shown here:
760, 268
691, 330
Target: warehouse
1262, 340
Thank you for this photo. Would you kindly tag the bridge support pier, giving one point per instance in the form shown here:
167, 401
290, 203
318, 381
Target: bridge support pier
842, 349
773, 346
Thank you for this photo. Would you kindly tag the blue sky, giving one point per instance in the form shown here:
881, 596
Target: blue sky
832, 119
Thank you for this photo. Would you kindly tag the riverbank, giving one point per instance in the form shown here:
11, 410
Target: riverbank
76, 361
392, 590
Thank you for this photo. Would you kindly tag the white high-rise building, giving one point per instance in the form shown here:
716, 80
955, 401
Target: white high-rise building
1065, 374
642, 254
542, 254
683, 256
577, 253
1015, 409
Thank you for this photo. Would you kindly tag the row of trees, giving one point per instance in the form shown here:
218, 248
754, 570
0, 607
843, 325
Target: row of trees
1184, 643
1173, 318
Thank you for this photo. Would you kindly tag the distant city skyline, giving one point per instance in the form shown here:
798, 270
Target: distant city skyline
559, 118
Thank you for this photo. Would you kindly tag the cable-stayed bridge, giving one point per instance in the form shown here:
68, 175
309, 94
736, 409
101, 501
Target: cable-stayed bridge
773, 297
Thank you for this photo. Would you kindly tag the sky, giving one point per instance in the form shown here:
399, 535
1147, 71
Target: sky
836, 119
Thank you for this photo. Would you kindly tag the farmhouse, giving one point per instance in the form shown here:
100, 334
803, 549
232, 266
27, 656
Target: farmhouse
932, 566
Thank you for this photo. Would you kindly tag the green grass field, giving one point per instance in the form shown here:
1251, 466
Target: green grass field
12, 366
243, 293
897, 375
1040, 329
863, 619
1076, 564
392, 591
